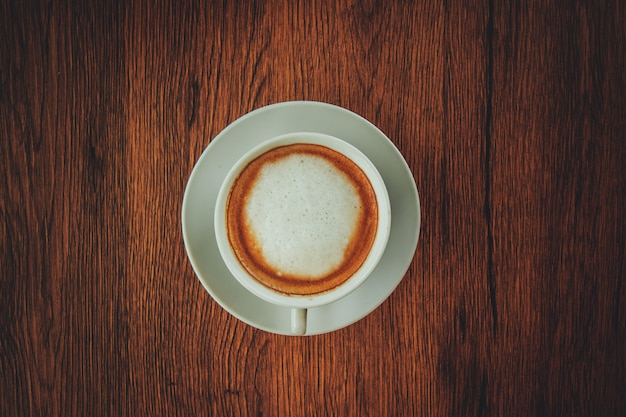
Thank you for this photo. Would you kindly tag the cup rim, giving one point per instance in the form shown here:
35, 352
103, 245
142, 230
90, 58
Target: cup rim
371, 261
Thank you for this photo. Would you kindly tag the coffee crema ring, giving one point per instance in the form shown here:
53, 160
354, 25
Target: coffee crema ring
301, 219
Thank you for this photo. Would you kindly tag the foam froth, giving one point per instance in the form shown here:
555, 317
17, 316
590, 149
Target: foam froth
302, 218
302, 212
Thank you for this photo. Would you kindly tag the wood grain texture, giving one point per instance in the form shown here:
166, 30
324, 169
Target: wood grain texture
510, 115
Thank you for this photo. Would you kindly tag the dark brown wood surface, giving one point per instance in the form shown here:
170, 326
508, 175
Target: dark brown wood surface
511, 116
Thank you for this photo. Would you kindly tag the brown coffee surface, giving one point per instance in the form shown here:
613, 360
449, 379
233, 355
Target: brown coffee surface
301, 219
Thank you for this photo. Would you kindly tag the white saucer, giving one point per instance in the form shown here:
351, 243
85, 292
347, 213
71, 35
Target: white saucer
265, 123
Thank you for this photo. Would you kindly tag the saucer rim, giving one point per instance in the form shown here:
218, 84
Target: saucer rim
400, 267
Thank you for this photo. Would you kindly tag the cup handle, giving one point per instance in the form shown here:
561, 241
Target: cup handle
298, 321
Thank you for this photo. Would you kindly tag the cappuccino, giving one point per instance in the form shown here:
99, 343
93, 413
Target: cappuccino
301, 219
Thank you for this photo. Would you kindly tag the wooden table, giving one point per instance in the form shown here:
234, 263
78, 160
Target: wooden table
511, 116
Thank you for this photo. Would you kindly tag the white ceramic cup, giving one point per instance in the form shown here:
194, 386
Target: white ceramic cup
300, 304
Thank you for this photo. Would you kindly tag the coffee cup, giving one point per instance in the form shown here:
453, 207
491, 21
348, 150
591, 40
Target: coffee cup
302, 220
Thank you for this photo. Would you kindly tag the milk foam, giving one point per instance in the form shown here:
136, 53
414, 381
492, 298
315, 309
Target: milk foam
303, 212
